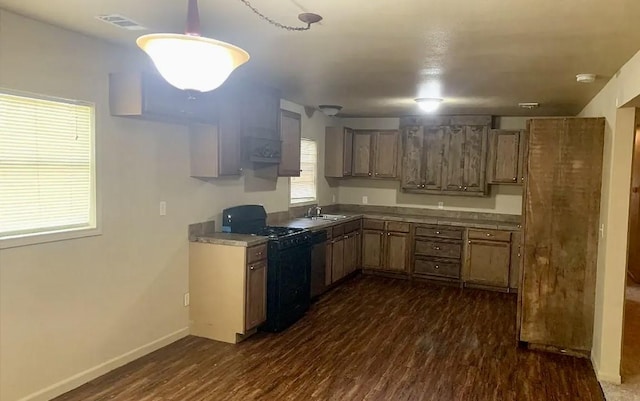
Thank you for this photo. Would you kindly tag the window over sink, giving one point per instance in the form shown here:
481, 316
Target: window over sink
47, 169
304, 188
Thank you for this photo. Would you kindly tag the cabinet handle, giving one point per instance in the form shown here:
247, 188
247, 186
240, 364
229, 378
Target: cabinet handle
438, 232
381, 233
346, 237
489, 235
377, 173
437, 267
259, 253
469, 241
460, 187
515, 179
465, 188
388, 234
357, 232
252, 267
437, 248
369, 174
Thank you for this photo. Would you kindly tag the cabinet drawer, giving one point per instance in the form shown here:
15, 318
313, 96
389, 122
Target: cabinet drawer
338, 231
329, 232
256, 253
438, 249
436, 268
398, 226
352, 226
438, 232
490, 235
368, 224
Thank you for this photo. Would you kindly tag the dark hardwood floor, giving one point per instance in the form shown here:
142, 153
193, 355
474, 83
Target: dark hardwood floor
370, 339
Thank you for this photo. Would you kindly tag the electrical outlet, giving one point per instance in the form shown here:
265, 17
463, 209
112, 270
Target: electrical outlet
365, 200
440, 205
163, 208
186, 299
333, 199
601, 230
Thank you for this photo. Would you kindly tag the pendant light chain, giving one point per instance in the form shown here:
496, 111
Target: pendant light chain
275, 23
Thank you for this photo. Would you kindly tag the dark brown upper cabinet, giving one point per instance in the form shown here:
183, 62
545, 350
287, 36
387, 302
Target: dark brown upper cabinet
338, 156
375, 153
506, 157
290, 136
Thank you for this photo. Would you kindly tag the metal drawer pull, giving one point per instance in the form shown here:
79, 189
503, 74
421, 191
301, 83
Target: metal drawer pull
515, 179
252, 267
388, 234
437, 267
346, 236
437, 248
489, 235
438, 233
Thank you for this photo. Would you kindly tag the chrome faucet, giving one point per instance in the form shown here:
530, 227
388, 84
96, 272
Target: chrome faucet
314, 211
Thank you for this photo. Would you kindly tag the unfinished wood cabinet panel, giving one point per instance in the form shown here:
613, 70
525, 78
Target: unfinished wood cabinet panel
291, 136
475, 158
385, 154
516, 259
433, 158
453, 179
487, 263
562, 203
256, 309
337, 259
397, 252
362, 152
412, 176
372, 249
505, 155
522, 157
338, 152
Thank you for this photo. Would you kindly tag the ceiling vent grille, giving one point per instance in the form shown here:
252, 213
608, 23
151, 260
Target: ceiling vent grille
121, 22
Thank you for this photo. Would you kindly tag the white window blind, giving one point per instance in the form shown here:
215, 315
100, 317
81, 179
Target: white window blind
46, 165
303, 188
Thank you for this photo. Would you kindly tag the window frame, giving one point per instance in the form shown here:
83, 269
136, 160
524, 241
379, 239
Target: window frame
315, 199
95, 215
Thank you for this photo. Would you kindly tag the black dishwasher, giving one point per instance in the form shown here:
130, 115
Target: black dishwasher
318, 263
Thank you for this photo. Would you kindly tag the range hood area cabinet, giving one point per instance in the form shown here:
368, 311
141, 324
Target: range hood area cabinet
560, 233
290, 137
446, 159
507, 157
149, 96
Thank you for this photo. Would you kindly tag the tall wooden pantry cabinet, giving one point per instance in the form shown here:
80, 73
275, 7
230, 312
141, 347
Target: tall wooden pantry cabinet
560, 233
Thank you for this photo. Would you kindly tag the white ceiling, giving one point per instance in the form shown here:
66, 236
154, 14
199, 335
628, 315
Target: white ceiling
375, 56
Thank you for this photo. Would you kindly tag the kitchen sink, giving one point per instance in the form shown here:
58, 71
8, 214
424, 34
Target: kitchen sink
332, 217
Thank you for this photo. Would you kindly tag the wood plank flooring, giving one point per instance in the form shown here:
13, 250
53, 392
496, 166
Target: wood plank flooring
372, 338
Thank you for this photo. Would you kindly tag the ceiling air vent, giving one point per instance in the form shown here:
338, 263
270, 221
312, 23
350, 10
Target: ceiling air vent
121, 22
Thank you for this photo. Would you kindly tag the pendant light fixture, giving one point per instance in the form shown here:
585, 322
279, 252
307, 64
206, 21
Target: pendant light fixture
190, 61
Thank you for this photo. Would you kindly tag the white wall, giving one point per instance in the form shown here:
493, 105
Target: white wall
614, 214
72, 310
503, 199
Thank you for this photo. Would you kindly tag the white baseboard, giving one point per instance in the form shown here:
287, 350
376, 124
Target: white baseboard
83, 377
606, 377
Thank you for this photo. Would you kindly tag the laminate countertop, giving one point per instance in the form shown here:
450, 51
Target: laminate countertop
231, 239
319, 224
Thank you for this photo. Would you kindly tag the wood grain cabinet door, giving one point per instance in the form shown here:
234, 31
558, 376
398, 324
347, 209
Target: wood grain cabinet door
386, 154
504, 157
256, 297
454, 142
412, 176
362, 149
290, 135
397, 252
372, 249
516, 259
347, 154
337, 257
230, 132
488, 263
350, 250
433, 157
475, 159
328, 268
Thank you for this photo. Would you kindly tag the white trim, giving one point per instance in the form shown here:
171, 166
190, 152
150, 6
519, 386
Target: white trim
85, 376
605, 377
54, 236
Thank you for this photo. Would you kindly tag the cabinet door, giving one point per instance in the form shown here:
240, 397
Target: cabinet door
433, 151
328, 267
261, 112
256, 308
454, 158
523, 156
350, 254
337, 257
475, 158
347, 156
362, 148
412, 158
290, 135
386, 154
504, 157
372, 249
488, 263
397, 252
230, 132
516, 257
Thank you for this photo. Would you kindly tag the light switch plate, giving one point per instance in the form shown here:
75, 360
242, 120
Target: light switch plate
365, 200
163, 208
440, 205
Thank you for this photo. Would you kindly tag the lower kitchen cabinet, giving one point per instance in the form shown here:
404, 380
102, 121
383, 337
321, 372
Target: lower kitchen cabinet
343, 250
438, 252
228, 290
372, 249
488, 260
516, 260
337, 259
386, 245
397, 252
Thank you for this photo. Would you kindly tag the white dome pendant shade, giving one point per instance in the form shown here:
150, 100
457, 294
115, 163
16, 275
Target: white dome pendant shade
189, 61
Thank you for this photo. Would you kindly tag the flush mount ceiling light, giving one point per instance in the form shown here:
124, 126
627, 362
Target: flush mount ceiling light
586, 78
429, 104
330, 109
529, 105
193, 62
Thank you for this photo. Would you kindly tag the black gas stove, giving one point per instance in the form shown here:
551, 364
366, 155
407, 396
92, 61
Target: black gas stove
289, 264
